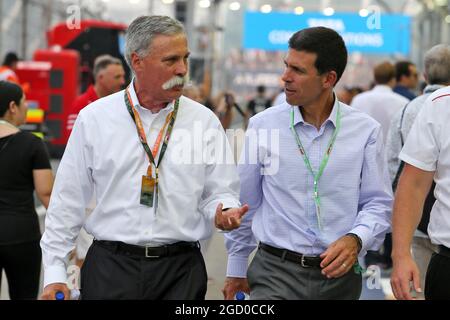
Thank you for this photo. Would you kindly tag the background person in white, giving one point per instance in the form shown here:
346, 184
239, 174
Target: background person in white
426, 155
381, 103
437, 75
141, 252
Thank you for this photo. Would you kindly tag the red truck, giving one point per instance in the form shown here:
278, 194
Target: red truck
57, 75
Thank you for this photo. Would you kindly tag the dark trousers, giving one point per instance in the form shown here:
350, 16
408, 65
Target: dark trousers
22, 265
437, 282
110, 275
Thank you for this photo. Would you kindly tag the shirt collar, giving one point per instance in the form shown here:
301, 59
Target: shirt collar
136, 102
298, 118
92, 95
382, 88
432, 88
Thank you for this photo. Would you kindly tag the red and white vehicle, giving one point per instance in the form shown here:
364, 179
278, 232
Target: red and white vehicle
56, 76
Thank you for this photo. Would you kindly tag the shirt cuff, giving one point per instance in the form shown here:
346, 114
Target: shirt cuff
230, 203
55, 274
365, 235
237, 267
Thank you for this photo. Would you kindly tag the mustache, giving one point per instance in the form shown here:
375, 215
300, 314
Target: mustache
175, 81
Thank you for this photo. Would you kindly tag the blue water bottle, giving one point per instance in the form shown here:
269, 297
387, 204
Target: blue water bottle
74, 295
240, 295
59, 295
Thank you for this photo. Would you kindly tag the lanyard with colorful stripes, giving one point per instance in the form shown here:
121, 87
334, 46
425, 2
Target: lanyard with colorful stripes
169, 123
326, 156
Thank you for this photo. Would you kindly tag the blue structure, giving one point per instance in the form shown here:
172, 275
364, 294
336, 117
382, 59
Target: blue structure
377, 33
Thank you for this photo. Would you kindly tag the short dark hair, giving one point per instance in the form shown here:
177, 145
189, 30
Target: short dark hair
10, 58
9, 92
402, 69
327, 44
260, 89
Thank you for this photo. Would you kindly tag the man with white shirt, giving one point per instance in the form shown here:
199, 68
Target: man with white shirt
427, 157
381, 103
154, 203
437, 74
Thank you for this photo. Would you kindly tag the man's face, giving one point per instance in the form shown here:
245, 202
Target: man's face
167, 58
303, 84
112, 78
413, 78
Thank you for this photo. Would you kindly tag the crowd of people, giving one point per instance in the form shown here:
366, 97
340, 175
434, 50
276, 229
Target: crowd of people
148, 176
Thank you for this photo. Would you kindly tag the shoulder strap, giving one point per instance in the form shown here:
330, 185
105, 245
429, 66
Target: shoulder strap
402, 164
397, 175
401, 124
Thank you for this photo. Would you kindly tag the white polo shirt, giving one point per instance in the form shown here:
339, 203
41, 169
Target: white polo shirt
428, 148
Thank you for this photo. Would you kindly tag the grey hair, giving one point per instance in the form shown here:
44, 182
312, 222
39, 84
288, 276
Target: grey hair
102, 62
437, 64
142, 30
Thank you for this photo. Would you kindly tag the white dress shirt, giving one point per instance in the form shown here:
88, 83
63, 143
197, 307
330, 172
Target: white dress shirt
381, 103
428, 148
104, 155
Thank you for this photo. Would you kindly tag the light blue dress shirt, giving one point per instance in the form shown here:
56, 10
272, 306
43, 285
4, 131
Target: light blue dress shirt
355, 189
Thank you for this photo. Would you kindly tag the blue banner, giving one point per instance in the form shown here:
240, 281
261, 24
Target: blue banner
377, 33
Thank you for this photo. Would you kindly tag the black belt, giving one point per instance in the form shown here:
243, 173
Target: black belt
444, 251
301, 259
147, 252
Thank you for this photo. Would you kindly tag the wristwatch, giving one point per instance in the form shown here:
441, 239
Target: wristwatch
357, 238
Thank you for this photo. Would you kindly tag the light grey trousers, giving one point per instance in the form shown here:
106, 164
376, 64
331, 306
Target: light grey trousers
271, 278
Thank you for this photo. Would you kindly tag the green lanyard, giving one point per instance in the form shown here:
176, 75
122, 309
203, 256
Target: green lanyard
326, 156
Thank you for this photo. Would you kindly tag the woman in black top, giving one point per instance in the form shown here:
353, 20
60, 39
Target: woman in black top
24, 167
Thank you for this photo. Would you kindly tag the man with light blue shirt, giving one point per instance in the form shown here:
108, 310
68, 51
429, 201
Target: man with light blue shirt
330, 199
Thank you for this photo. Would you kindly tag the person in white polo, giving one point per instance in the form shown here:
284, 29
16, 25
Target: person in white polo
426, 155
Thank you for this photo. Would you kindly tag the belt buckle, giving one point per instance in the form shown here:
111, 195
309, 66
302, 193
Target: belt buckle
302, 262
147, 255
